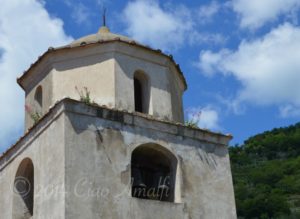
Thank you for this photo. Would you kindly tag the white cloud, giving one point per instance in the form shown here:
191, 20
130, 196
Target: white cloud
209, 61
268, 68
206, 117
255, 13
289, 110
26, 31
168, 27
206, 12
150, 23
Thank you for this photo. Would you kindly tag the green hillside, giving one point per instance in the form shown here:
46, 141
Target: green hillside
266, 174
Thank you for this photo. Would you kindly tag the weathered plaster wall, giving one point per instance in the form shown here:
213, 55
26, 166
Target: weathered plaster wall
160, 97
165, 98
107, 71
92, 68
47, 90
98, 153
82, 156
177, 90
45, 147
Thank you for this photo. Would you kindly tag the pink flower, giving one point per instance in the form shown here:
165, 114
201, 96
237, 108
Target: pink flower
28, 109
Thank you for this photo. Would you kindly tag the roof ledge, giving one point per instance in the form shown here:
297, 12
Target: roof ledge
127, 118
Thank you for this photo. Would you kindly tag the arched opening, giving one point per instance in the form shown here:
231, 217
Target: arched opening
153, 173
141, 92
38, 97
138, 95
23, 197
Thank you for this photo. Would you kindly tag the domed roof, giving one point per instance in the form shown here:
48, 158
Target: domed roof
103, 35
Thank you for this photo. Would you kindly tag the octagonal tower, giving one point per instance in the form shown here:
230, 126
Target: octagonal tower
117, 71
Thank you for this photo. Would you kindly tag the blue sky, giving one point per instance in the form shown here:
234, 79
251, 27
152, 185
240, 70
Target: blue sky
241, 58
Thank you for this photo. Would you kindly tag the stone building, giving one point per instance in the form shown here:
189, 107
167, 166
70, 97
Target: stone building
122, 153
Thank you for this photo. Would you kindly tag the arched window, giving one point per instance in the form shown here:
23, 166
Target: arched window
153, 173
23, 197
38, 97
141, 92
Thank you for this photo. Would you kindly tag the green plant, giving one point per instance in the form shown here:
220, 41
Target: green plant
84, 95
34, 115
192, 124
194, 118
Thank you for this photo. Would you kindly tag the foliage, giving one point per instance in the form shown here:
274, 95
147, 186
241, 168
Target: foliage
192, 124
84, 95
266, 174
34, 115
194, 118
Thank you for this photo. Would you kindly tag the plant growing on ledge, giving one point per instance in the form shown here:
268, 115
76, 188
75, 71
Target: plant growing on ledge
192, 124
194, 119
84, 95
35, 116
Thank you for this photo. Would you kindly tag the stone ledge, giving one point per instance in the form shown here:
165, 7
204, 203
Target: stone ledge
124, 117
145, 121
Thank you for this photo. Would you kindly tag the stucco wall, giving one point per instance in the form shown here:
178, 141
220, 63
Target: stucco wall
160, 92
93, 69
98, 154
47, 91
107, 71
82, 154
45, 147
165, 98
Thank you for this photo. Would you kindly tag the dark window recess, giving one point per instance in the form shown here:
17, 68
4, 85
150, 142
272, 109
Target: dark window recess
138, 96
151, 175
39, 96
23, 199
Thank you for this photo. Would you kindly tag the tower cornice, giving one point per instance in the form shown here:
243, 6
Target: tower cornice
84, 44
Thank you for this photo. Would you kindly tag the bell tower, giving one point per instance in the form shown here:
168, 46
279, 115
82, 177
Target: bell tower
117, 71
105, 138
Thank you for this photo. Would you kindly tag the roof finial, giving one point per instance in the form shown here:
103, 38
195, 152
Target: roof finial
104, 17
104, 29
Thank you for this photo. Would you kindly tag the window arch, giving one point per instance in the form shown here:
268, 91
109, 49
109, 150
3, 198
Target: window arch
141, 92
38, 97
23, 197
153, 173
